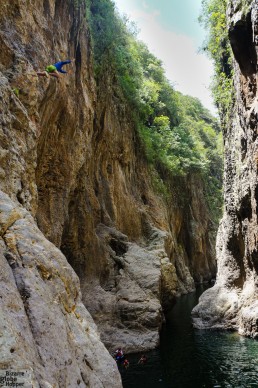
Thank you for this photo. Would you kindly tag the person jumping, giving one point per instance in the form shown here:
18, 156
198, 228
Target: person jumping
54, 69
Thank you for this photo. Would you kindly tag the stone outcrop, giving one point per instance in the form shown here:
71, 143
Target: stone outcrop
44, 326
233, 302
73, 179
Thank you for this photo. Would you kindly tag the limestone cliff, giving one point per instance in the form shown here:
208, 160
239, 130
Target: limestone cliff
73, 179
45, 328
233, 302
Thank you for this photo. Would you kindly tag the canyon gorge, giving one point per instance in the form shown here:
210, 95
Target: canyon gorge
93, 249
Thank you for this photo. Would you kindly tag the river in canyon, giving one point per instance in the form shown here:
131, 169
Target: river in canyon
189, 358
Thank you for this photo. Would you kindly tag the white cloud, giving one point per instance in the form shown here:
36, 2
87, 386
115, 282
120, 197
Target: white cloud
189, 71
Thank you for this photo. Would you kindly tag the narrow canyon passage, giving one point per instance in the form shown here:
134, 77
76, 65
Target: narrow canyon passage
190, 358
114, 200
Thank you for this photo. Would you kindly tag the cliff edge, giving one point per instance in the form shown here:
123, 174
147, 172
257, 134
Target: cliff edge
45, 328
233, 302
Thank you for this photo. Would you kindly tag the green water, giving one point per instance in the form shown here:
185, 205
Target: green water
190, 358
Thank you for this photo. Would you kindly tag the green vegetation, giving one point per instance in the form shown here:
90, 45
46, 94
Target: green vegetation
218, 47
16, 91
178, 135
244, 5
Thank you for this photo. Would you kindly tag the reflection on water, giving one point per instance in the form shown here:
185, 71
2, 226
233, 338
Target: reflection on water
190, 358
203, 358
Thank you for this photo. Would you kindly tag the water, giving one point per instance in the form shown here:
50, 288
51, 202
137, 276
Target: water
143, 376
190, 358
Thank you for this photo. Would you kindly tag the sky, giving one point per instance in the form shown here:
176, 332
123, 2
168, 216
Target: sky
171, 30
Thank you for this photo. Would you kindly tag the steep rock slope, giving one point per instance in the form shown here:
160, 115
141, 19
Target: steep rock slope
71, 164
45, 328
233, 302
138, 240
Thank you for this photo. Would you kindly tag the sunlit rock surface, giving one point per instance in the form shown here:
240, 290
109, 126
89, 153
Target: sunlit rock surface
44, 327
233, 302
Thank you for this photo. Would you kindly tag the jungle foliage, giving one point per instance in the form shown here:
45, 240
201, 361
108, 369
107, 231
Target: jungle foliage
178, 134
218, 48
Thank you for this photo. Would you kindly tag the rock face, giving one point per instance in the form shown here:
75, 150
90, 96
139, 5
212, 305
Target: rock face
233, 302
44, 326
73, 180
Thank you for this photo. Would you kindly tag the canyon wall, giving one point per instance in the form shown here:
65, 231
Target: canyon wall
78, 202
45, 328
233, 302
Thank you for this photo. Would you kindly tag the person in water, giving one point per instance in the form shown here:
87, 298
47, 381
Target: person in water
143, 359
54, 69
126, 363
119, 354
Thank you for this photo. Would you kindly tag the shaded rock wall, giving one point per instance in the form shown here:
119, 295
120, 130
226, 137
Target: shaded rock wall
71, 163
122, 208
233, 301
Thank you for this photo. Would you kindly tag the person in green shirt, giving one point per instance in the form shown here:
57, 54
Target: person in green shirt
54, 69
